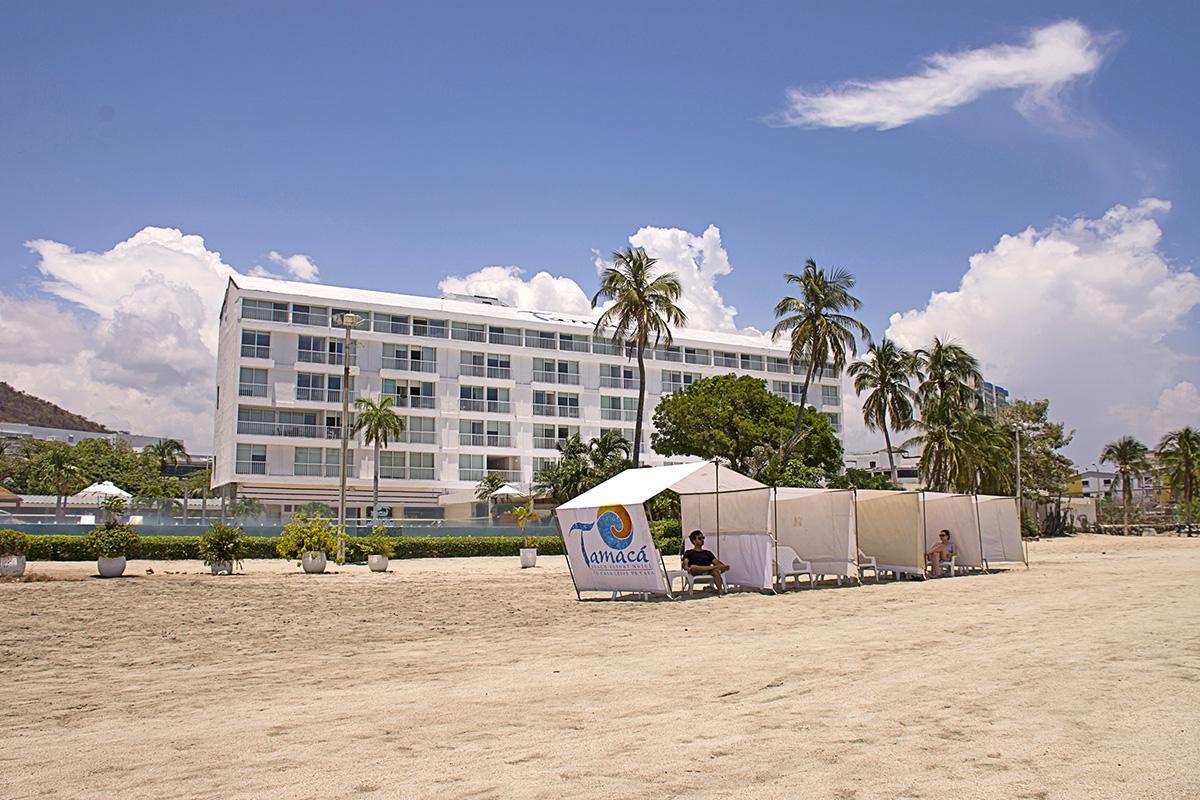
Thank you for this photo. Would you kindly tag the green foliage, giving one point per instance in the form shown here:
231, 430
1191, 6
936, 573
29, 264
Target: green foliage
1044, 470
1179, 455
112, 540
245, 508
33, 467
488, 484
523, 515
13, 543
221, 543
663, 506
305, 534
581, 466
795, 473
167, 453
377, 544
862, 479
315, 508
884, 374
113, 505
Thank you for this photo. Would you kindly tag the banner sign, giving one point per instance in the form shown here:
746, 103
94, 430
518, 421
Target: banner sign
610, 549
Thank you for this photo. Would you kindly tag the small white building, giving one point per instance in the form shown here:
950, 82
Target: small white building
876, 462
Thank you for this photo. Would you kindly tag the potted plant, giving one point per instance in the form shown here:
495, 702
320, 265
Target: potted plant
113, 508
13, 547
220, 547
379, 549
310, 539
111, 543
523, 516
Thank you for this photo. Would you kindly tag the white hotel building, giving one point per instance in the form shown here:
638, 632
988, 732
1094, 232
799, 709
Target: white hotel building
484, 388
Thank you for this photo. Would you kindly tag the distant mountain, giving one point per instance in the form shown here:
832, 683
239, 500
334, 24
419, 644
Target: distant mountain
16, 406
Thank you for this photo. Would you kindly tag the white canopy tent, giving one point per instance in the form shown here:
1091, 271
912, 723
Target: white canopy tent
1000, 529
819, 524
891, 528
104, 489
606, 535
957, 514
510, 491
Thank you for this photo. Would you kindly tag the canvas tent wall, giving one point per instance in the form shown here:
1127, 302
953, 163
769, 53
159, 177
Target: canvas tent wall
605, 527
957, 514
1000, 529
891, 529
819, 525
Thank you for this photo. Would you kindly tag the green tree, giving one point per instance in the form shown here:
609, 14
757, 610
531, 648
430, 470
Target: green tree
581, 465
948, 375
378, 423
1044, 470
862, 479
884, 373
168, 452
198, 485
609, 454
642, 312
488, 484
523, 515
820, 330
1179, 455
1131, 457
57, 465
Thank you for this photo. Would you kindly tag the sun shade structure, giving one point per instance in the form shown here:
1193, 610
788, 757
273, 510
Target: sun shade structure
891, 528
606, 535
957, 514
508, 490
104, 489
819, 525
1000, 529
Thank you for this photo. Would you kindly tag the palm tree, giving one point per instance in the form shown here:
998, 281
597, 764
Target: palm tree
198, 484
609, 454
1179, 455
523, 515
377, 422
643, 311
61, 471
947, 374
168, 452
488, 484
820, 330
885, 371
1131, 458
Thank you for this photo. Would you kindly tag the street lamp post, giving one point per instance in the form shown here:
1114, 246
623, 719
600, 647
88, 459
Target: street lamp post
348, 321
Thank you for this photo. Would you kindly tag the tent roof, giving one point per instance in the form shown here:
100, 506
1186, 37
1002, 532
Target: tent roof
639, 485
508, 490
104, 489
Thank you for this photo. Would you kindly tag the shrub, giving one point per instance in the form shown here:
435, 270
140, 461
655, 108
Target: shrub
221, 543
377, 544
111, 540
305, 534
13, 543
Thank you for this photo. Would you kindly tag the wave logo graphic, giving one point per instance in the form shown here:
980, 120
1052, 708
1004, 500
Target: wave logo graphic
615, 526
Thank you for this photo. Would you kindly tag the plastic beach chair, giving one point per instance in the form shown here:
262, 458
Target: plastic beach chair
866, 562
689, 580
791, 565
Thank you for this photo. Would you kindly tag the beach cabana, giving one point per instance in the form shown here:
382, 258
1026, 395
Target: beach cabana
606, 534
1000, 530
819, 525
957, 514
891, 528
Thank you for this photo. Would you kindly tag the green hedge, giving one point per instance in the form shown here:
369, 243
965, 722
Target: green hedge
70, 548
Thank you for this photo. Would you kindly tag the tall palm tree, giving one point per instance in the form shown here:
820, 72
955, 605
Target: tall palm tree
609, 454
61, 471
198, 486
820, 330
885, 371
1179, 455
378, 422
947, 374
1131, 457
168, 452
642, 313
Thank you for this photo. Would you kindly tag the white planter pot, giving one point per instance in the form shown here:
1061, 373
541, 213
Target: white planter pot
12, 566
111, 567
218, 567
313, 562
528, 557
377, 563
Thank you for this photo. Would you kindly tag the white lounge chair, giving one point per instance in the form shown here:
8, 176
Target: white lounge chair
790, 565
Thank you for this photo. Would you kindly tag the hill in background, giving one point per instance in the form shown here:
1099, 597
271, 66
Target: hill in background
17, 406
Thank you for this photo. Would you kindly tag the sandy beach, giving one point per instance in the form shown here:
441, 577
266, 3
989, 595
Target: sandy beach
1077, 678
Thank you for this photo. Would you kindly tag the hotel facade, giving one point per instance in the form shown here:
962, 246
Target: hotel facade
483, 387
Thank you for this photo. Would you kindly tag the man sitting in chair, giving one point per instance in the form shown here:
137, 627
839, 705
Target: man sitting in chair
698, 561
941, 552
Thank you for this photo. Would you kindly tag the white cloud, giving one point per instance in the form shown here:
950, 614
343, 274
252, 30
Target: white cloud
1080, 313
1177, 407
129, 336
1051, 58
542, 292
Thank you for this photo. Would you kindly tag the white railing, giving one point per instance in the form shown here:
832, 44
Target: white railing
504, 373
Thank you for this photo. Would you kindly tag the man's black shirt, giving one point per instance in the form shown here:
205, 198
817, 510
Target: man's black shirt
699, 558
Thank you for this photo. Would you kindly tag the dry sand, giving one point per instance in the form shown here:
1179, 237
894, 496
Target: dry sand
1079, 678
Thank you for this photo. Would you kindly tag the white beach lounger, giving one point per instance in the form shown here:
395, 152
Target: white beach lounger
866, 562
790, 564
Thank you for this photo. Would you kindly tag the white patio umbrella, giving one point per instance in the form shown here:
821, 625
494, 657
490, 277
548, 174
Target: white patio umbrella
104, 489
508, 490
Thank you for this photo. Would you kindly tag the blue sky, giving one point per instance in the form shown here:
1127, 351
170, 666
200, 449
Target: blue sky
396, 145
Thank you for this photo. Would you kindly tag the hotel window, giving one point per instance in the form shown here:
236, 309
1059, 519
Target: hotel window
568, 405
788, 390
777, 364
668, 352
251, 459
335, 348
420, 394
308, 461
414, 359
544, 340
255, 421
470, 398
696, 355
604, 347
420, 466
499, 366
506, 336
252, 382
420, 430
264, 310
829, 396
333, 463
752, 362
468, 332
544, 403
310, 315
310, 386
471, 467
311, 350
614, 376
835, 421
724, 359
391, 323
573, 342
541, 464
498, 401
392, 464
545, 370
432, 328
671, 381
472, 364
333, 388
256, 344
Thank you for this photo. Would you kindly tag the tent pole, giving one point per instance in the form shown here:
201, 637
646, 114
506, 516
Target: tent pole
924, 535
567, 556
717, 495
979, 530
661, 563
854, 513
1024, 544
775, 539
